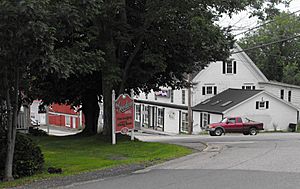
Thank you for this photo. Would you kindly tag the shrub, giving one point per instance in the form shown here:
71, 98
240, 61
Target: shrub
28, 158
37, 132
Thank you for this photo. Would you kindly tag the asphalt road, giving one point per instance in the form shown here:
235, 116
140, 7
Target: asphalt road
267, 161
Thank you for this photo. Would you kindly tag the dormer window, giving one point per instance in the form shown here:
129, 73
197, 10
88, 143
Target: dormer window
229, 67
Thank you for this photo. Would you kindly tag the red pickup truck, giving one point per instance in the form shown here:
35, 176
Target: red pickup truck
234, 125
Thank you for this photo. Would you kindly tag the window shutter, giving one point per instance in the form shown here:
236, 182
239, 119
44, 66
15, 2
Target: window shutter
215, 90
257, 105
267, 104
224, 67
208, 118
243, 87
234, 67
203, 90
201, 122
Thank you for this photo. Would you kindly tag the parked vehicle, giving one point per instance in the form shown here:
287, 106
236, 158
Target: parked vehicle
234, 125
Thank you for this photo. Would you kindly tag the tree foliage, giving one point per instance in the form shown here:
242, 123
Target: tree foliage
280, 61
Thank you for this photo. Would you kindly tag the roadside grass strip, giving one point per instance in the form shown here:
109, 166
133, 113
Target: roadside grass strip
78, 154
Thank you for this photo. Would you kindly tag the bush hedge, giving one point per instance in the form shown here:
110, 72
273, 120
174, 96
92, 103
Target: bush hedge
28, 158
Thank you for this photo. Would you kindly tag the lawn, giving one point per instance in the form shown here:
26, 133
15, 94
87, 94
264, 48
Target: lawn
80, 154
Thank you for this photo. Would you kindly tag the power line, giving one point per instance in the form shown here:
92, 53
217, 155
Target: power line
266, 44
271, 21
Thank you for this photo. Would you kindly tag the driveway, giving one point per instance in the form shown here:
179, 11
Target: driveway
267, 161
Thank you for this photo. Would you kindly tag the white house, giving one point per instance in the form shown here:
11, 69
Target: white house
166, 110
258, 105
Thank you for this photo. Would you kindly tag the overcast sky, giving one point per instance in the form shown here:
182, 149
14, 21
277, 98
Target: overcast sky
241, 22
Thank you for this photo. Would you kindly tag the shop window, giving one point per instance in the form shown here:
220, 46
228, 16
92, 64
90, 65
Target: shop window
184, 122
137, 112
204, 119
160, 117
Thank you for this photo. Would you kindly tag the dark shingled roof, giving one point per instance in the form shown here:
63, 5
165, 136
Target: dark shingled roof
225, 100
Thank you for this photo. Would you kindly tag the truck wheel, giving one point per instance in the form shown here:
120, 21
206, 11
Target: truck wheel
211, 133
253, 131
218, 132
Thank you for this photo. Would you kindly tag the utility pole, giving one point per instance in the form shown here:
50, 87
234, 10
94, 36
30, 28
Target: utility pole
190, 112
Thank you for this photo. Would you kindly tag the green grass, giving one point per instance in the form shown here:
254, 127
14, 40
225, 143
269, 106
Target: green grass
81, 154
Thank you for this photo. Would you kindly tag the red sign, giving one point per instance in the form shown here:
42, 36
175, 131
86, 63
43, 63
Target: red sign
124, 109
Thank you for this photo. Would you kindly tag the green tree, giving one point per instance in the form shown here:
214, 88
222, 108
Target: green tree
25, 43
279, 60
145, 44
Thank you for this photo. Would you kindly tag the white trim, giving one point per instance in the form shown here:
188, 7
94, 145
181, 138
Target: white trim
63, 114
271, 95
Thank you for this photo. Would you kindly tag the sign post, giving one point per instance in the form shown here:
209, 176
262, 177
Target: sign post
113, 118
122, 115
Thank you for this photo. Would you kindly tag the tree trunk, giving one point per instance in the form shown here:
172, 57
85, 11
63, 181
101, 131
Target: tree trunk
90, 109
12, 124
107, 104
109, 71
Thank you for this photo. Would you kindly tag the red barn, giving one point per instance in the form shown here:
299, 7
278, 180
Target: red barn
64, 115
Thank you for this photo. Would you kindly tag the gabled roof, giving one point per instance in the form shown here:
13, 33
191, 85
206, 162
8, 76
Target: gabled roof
239, 51
225, 100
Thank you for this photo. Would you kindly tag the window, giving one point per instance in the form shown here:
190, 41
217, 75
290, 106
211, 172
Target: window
68, 121
184, 122
248, 87
226, 103
209, 90
229, 67
261, 105
183, 96
231, 120
160, 117
146, 96
146, 115
155, 97
216, 102
282, 94
172, 96
204, 119
137, 112
239, 120
290, 96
